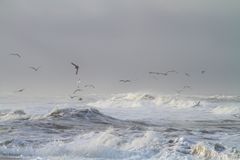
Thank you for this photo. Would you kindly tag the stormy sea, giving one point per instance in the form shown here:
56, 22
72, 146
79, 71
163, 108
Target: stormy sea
129, 126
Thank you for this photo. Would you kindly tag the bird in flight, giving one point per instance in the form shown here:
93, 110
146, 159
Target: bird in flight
187, 74
164, 73
179, 91
34, 68
187, 87
125, 81
89, 86
76, 67
202, 72
73, 97
158, 73
20, 90
77, 90
172, 71
15, 54
197, 104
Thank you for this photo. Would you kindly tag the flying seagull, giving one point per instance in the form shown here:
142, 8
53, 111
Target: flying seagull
202, 72
34, 68
179, 91
187, 87
77, 90
172, 71
187, 74
76, 67
158, 73
125, 81
20, 90
15, 54
73, 97
164, 73
89, 86
197, 104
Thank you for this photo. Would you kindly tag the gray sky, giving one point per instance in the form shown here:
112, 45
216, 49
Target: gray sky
124, 39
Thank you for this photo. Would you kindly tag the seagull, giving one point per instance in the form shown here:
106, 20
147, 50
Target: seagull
187, 87
77, 90
125, 81
20, 90
164, 74
89, 86
154, 73
158, 73
197, 104
80, 99
187, 74
172, 71
76, 67
179, 91
34, 68
15, 54
202, 72
73, 97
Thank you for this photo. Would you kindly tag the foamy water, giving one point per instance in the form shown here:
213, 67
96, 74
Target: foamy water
131, 126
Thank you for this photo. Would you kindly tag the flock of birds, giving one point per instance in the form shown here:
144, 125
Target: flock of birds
91, 86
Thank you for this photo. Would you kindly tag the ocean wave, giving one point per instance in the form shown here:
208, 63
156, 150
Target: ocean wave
108, 144
223, 98
135, 100
227, 109
215, 152
209, 104
14, 115
115, 144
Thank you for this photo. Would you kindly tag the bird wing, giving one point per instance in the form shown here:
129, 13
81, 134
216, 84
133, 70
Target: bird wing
31, 67
76, 67
163, 74
92, 86
179, 91
73, 97
15, 54
74, 64
172, 71
76, 70
77, 90
187, 74
20, 90
185, 87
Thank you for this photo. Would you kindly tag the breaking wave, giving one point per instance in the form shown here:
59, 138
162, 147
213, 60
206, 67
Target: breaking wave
212, 104
133, 126
115, 144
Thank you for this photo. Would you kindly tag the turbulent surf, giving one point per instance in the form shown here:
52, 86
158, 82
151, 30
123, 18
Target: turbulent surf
131, 126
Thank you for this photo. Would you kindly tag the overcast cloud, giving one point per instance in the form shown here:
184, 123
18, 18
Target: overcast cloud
124, 39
